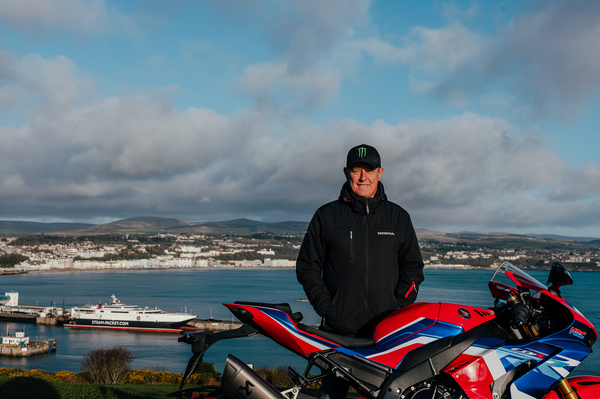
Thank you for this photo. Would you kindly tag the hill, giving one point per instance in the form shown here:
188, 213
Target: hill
499, 241
565, 238
138, 225
17, 228
152, 225
242, 226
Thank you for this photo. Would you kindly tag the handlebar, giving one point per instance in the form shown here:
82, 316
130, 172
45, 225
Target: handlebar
520, 314
519, 311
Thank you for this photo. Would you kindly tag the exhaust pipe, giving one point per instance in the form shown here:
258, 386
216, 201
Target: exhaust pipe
241, 382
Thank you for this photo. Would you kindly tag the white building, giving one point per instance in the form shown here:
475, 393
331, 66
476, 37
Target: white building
18, 339
279, 263
12, 298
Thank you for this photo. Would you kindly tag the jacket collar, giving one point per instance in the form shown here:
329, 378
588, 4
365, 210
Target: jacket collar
360, 204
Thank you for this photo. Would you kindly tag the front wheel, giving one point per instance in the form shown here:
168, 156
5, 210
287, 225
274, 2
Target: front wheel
586, 387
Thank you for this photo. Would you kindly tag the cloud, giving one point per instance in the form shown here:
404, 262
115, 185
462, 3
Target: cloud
579, 183
553, 54
273, 84
433, 50
432, 162
144, 135
548, 57
80, 16
36, 88
307, 65
545, 60
68, 153
138, 154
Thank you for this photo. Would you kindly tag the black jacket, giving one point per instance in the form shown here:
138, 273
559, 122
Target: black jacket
359, 261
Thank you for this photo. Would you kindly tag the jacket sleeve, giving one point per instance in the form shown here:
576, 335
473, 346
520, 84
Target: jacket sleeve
410, 266
309, 267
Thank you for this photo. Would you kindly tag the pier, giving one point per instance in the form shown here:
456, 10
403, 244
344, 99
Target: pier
11, 310
31, 349
19, 345
214, 325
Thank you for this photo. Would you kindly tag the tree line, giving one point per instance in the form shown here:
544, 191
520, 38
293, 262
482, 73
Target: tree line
10, 260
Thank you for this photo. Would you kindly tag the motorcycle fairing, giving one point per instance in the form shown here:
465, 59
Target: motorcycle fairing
392, 345
428, 361
408, 320
391, 354
443, 350
421, 324
465, 317
487, 361
580, 328
531, 368
545, 362
547, 374
278, 325
525, 281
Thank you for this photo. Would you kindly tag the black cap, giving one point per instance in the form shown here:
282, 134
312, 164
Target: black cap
363, 153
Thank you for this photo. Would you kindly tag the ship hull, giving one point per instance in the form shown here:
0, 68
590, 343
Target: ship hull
128, 325
118, 316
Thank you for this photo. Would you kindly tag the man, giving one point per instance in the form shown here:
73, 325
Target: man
360, 259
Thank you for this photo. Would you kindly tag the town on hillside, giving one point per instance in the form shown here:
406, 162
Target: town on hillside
21, 254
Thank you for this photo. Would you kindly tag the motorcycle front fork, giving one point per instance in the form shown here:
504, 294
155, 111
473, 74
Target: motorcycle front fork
566, 390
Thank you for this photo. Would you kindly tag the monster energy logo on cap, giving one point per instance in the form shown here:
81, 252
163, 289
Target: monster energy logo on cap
364, 153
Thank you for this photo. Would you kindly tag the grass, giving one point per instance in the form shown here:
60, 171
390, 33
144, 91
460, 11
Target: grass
29, 387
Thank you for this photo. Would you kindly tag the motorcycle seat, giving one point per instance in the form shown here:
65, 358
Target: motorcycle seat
343, 340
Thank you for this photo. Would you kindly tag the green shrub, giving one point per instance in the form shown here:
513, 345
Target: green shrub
107, 365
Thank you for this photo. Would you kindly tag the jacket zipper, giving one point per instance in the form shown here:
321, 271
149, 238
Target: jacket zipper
351, 247
367, 256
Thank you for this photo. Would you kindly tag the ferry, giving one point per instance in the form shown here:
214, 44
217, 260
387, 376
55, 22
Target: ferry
119, 316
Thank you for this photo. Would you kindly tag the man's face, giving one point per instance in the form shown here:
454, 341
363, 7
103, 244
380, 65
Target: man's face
363, 179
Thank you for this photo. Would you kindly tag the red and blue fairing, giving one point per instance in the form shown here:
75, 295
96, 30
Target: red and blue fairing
401, 332
522, 348
535, 365
279, 325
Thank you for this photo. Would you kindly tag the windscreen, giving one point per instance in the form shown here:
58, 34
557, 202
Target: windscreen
508, 272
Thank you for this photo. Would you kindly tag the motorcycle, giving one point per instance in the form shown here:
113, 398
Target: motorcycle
523, 347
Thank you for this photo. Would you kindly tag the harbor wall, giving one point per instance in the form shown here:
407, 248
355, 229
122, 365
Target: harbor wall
49, 320
21, 317
214, 325
36, 348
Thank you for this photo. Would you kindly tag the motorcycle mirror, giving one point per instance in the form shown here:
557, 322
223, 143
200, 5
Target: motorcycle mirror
559, 276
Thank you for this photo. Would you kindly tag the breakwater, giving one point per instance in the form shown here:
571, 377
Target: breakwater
39, 318
214, 325
31, 349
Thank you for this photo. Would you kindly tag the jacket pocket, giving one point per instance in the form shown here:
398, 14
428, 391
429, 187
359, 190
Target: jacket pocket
393, 301
330, 317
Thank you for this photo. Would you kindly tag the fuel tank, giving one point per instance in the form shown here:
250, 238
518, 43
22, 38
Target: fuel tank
422, 315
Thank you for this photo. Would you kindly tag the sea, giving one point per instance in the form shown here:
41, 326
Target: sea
202, 292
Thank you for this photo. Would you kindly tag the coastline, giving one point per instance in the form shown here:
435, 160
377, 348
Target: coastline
150, 269
111, 270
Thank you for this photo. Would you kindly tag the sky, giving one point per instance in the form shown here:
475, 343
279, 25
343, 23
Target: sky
485, 113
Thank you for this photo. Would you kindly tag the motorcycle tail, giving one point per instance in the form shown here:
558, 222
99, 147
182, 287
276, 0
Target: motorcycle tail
584, 387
